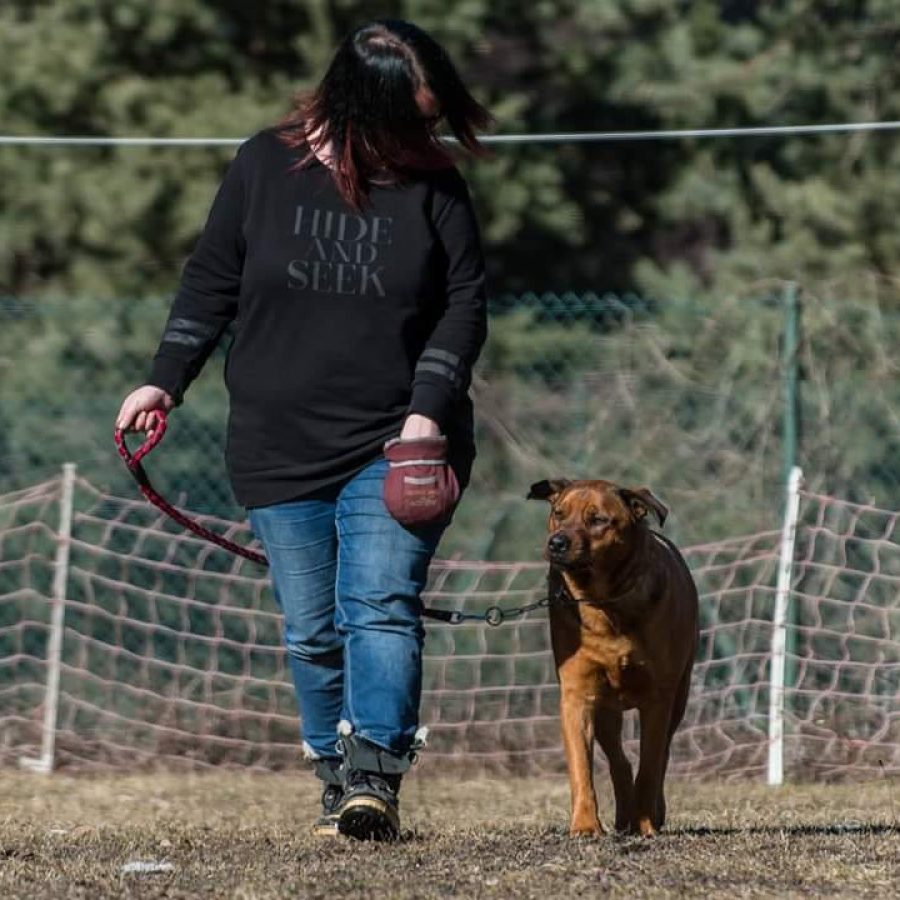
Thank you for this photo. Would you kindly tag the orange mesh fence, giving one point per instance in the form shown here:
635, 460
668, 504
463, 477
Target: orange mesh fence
171, 649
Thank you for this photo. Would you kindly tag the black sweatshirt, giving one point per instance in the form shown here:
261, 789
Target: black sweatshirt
343, 323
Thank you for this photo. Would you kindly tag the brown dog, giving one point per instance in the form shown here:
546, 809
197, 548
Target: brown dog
623, 624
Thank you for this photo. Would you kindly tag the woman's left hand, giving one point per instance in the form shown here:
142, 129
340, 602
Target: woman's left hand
417, 426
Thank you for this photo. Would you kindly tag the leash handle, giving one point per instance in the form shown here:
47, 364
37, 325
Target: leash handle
159, 431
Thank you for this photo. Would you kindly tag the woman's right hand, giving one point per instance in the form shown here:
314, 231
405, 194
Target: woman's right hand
138, 412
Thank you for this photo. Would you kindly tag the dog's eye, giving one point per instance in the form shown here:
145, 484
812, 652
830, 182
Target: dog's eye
597, 520
556, 514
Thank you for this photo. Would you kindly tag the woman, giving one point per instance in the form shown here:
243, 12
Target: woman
343, 247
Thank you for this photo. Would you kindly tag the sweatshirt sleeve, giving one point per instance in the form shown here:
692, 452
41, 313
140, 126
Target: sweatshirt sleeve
444, 370
207, 296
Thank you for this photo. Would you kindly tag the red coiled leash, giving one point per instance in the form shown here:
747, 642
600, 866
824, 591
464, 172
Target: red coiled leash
133, 461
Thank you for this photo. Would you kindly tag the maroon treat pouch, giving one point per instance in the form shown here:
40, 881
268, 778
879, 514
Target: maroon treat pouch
420, 487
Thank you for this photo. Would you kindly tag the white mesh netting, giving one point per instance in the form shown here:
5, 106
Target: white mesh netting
171, 649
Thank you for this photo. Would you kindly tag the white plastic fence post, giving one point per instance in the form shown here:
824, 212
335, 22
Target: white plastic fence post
44, 763
779, 628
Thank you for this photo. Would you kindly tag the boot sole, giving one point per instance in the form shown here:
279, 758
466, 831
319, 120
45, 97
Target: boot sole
326, 828
369, 819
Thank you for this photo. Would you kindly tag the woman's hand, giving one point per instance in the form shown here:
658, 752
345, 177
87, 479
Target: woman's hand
417, 426
138, 412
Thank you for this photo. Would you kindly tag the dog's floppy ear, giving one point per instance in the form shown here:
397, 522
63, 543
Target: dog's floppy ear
544, 490
642, 501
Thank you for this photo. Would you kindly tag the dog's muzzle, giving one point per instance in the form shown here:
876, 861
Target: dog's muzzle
558, 546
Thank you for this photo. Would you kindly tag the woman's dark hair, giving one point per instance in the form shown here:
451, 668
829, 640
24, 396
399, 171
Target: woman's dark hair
366, 107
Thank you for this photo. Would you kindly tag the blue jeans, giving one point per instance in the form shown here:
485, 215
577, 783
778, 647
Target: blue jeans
348, 579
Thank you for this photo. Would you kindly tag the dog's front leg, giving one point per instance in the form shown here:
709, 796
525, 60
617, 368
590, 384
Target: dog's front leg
608, 723
649, 782
578, 710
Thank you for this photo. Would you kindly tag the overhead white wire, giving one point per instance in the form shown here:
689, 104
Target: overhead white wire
606, 136
552, 138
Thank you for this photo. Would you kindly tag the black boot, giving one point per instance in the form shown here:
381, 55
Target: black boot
329, 771
370, 808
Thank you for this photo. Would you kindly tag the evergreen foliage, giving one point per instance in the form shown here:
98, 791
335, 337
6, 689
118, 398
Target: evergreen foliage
93, 239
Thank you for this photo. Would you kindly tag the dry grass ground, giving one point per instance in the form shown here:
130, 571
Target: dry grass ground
237, 835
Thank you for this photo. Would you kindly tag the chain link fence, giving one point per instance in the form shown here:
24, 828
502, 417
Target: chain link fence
687, 397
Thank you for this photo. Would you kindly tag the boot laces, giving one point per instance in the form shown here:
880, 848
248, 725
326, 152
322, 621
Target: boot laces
331, 797
371, 781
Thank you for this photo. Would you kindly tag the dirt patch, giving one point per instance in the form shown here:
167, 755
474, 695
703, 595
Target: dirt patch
236, 835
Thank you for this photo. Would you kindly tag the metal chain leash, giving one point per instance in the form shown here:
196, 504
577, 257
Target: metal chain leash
493, 615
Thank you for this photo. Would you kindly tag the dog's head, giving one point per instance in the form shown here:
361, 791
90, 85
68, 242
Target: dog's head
592, 521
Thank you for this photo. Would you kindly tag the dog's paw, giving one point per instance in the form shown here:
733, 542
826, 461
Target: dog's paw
645, 828
586, 829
